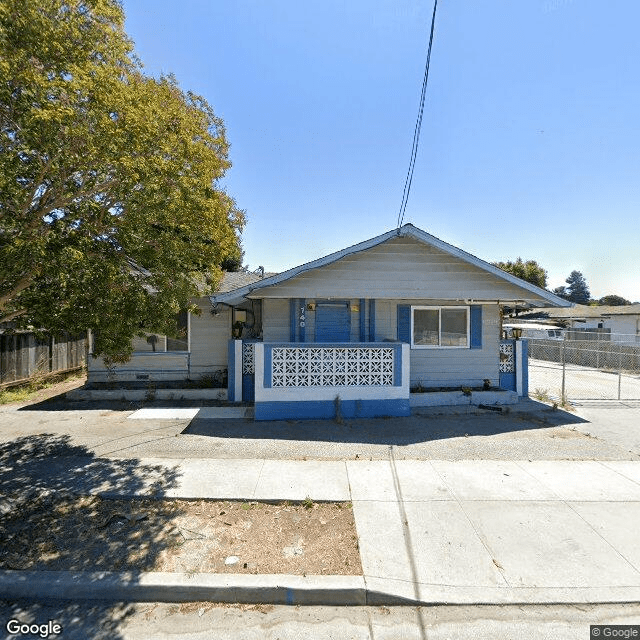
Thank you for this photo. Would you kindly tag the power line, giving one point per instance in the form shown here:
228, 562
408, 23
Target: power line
416, 131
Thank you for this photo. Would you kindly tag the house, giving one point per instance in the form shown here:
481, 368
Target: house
201, 352
619, 324
353, 331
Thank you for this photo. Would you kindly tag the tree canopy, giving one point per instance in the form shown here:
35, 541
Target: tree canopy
576, 289
530, 271
613, 300
111, 213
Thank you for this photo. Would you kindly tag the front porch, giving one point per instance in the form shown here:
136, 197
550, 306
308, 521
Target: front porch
351, 380
320, 380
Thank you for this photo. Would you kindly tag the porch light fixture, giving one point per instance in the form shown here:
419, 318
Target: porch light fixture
516, 332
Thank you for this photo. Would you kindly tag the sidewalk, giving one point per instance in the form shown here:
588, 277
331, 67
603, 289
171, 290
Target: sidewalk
468, 532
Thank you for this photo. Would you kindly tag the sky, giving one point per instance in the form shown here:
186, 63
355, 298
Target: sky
530, 140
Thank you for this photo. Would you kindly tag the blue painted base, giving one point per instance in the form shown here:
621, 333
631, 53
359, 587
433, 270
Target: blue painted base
326, 409
507, 381
248, 387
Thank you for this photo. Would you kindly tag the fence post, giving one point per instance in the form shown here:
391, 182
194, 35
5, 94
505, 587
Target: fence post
562, 394
619, 383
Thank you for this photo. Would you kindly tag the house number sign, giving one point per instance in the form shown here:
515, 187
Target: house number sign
303, 317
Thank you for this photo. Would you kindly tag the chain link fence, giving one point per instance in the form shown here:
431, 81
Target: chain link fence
585, 366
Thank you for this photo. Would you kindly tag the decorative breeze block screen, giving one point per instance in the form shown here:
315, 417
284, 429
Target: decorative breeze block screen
507, 364
248, 351
331, 366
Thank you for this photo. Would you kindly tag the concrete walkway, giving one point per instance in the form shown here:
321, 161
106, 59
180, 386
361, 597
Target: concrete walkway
467, 532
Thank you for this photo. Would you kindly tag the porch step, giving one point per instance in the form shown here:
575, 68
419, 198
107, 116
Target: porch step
457, 397
140, 395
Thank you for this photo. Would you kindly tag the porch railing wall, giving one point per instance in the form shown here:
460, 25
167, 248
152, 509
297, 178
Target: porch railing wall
318, 380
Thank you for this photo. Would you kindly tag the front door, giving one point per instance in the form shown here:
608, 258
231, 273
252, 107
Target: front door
333, 321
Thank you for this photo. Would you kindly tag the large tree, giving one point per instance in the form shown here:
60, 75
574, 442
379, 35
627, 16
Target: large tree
111, 215
530, 271
577, 289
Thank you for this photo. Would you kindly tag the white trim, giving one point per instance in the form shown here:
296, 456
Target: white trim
237, 387
408, 230
439, 309
518, 365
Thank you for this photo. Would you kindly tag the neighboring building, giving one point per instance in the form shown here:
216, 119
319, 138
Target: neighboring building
433, 310
616, 323
534, 330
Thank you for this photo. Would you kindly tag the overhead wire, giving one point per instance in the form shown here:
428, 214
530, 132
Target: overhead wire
416, 131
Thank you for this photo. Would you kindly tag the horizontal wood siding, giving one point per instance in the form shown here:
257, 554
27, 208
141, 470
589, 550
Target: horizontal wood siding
172, 365
209, 336
399, 268
446, 367
275, 320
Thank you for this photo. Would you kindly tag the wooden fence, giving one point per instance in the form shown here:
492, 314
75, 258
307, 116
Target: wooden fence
23, 355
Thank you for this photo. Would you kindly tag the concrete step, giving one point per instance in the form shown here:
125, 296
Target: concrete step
139, 395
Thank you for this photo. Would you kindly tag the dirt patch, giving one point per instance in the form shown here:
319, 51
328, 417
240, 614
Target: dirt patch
93, 534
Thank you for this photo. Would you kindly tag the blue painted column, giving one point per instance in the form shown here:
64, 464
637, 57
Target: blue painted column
292, 320
372, 320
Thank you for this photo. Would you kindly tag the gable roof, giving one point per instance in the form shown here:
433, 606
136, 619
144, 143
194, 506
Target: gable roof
408, 230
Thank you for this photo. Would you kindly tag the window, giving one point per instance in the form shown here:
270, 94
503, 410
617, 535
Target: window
181, 342
156, 342
439, 327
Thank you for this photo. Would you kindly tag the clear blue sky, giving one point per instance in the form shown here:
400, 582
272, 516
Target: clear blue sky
530, 140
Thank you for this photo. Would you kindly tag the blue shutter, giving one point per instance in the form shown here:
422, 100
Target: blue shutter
404, 323
292, 320
476, 326
372, 320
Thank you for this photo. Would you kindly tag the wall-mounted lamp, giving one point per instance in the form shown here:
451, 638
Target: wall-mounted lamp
311, 306
516, 332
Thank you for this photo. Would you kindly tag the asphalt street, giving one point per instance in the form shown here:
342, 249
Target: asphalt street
205, 620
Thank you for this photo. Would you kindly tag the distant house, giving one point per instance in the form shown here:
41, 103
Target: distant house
537, 330
615, 323
359, 326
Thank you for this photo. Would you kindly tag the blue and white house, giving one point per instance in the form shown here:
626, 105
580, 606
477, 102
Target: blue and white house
351, 333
